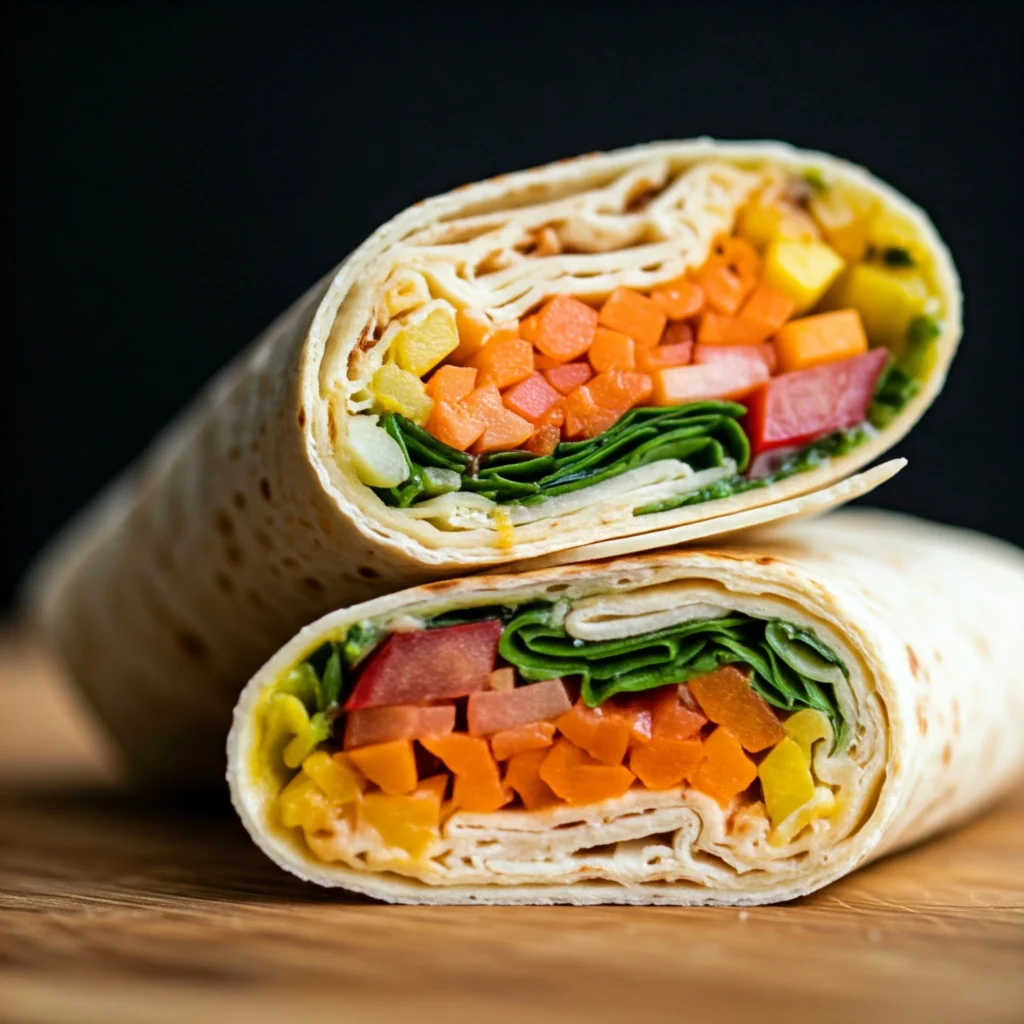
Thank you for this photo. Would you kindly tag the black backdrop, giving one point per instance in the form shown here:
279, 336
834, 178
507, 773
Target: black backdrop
177, 175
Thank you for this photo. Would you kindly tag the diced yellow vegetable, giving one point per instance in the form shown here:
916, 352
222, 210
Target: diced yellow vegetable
398, 390
785, 779
334, 775
802, 269
506, 532
374, 454
422, 343
303, 804
890, 231
409, 823
845, 217
806, 728
760, 223
822, 805
887, 299
289, 729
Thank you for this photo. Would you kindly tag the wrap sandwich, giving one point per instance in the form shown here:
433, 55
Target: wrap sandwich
667, 342
728, 724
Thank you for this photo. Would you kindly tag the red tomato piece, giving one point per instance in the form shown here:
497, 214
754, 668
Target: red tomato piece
405, 722
798, 407
494, 710
428, 664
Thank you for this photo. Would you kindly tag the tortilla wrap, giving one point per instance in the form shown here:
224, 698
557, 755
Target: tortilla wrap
925, 619
243, 521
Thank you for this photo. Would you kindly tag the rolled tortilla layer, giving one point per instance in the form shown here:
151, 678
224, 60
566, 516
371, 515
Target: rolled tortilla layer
924, 619
248, 517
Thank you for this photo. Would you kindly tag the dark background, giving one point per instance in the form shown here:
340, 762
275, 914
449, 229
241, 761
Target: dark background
175, 176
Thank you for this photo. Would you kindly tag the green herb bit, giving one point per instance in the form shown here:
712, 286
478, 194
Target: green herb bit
816, 180
897, 256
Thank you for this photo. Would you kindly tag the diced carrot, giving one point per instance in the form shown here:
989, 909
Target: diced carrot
577, 778
620, 390
568, 376
677, 385
544, 440
676, 333
650, 359
724, 769
451, 383
736, 354
477, 781
543, 362
436, 786
529, 327
474, 326
728, 699
611, 351
672, 719
725, 291
739, 256
663, 763
679, 299
769, 306
824, 338
504, 360
455, 425
531, 398
534, 736
716, 329
584, 417
633, 314
502, 429
564, 328
392, 766
602, 733
522, 773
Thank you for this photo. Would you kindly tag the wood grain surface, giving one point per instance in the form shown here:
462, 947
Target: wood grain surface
115, 907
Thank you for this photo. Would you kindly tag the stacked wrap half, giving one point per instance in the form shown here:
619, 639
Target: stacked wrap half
924, 619
247, 518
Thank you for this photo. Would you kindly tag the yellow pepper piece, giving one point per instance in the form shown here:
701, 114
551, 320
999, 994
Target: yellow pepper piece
890, 231
822, 805
398, 390
760, 222
288, 726
303, 804
409, 823
802, 269
845, 218
420, 346
335, 775
806, 728
886, 299
785, 779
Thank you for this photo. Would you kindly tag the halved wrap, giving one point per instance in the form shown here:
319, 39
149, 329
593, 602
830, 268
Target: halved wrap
668, 342
733, 724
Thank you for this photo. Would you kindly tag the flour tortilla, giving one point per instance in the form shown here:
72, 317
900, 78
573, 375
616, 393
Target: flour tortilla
238, 526
925, 617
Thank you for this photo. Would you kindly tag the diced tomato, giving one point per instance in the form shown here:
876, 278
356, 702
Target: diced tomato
798, 407
678, 385
531, 398
404, 722
429, 664
568, 376
494, 710
763, 354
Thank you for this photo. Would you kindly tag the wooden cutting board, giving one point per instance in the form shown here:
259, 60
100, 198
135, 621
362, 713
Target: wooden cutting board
115, 908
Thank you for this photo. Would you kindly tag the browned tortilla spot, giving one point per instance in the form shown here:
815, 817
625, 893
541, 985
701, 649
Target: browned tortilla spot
265, 488
313, 584
915, 665
233, 553
947, 754
302, 416
223, 581
192, 645
222, 523
922, 720
367, 573
238, 500
766, 560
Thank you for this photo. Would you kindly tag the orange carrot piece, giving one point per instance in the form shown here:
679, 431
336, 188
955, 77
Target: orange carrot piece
824, 338
534, 736
477, 781
602, 733
768, 306
436, 786
728, 699
672, 719
522, 773
502, 429
612, 351
451, 383
474, 326
544, 440
578, 779
664, 763
543, 362
392, 765
724, 769
529, 327
724, 290
676, 332
620, 390
584, 417
679, 299
568, 376
677, 385
739, 256
504, 360
564, 328
716, 329
455, 425
531, 398
650, 359
633, 314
